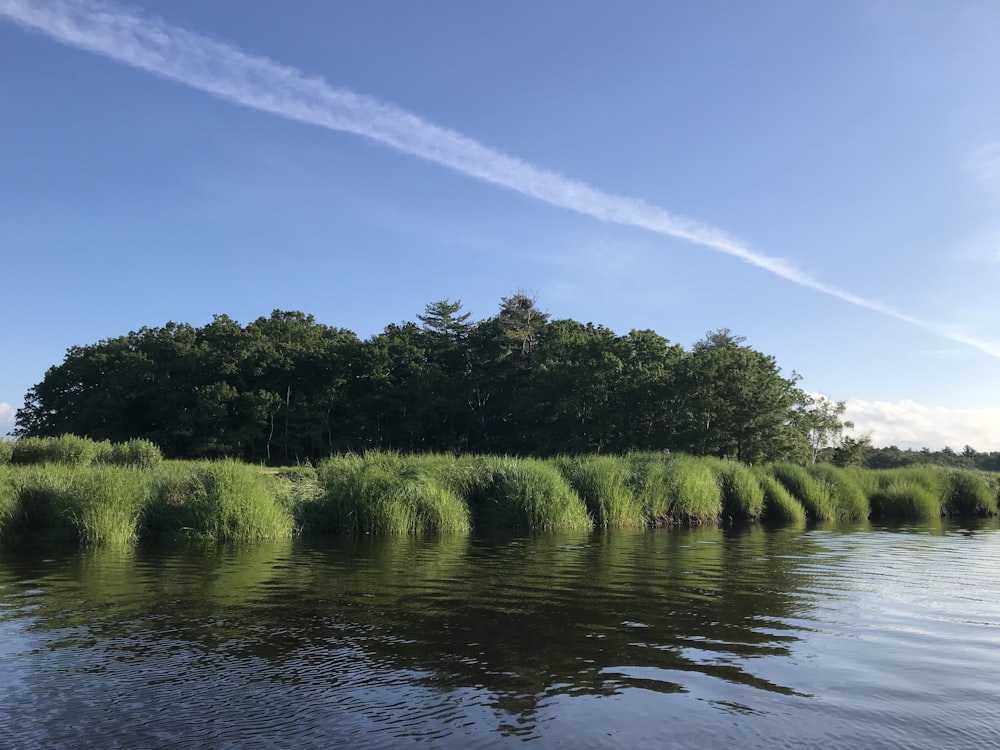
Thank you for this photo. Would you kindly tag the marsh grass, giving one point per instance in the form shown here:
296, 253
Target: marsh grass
695, 495
224, 501
969, 494
6, 451
813, 495
135, 454
104, 505
779, 505
518, 493
650, 483
604, 485
742, 494
849, 498
905, 498
383, 493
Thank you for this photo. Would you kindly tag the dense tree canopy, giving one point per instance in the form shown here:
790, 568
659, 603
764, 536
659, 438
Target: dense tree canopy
286, 388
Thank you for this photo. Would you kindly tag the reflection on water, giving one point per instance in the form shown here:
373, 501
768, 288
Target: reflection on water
758, 637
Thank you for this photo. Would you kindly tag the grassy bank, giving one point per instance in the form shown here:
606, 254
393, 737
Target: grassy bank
105, 494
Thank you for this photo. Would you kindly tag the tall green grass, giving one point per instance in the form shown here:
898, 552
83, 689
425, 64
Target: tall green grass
72, 450
849, 498
742, 493
518, 493
6, 451
813, 495
604, 485
905, 498
383, 493
695, 495
969, 494
779, 505
225, 501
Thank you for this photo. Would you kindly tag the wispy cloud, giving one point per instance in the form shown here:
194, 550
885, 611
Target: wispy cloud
908, 424
225, 71
983, 163
7, 413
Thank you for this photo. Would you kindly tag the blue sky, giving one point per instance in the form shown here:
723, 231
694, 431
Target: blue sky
822, 178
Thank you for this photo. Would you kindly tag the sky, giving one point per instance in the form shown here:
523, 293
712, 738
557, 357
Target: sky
821, 178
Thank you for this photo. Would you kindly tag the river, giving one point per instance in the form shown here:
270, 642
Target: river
837, 637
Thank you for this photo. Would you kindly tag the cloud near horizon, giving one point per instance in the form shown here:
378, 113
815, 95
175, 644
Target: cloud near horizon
7, 413
225, 71
907, 424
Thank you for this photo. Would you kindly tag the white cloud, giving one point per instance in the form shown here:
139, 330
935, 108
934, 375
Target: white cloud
227, 72
7, 413
908, 424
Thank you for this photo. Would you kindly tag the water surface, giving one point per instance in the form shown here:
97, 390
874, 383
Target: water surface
778, 638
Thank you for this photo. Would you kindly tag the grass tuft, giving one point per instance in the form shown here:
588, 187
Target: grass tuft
779, 505
742, 494
849, 498
905, 498
603, 483
813, 495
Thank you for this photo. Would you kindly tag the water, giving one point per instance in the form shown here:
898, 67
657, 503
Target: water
835, 638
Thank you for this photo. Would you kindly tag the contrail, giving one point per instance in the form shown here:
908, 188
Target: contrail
151, 44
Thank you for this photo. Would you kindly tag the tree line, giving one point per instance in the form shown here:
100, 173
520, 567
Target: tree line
286, 389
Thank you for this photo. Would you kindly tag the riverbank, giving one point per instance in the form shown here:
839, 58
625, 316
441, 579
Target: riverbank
102, 494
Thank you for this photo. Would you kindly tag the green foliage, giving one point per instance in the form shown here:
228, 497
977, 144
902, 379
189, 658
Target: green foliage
383, 493
6, 451
779, 505
604, 485
969, 494
225, 501
518, 493
285, 389
848, 496
905, 498
813, 495
742, 494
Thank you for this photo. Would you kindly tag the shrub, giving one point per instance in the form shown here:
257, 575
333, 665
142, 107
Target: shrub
6, 450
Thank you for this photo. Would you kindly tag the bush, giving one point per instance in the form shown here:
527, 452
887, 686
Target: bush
6, 450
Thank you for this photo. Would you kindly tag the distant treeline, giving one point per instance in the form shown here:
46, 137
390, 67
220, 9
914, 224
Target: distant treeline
286, 389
